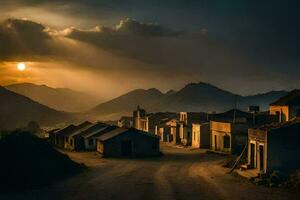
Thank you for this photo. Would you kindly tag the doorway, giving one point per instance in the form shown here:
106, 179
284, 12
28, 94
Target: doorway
226, 144
126, 148
261, 157
252, 155
216, 143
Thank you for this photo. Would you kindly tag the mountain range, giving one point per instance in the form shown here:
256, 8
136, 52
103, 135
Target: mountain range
194, 97
57, 98
17, 111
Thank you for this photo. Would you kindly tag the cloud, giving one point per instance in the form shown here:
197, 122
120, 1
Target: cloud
134, 54
23, 38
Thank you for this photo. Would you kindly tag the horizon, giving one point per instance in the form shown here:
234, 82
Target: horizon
163, 92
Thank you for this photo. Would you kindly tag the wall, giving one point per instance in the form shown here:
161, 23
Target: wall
142, 145
283, 110
205, 135
90, 147
196, 135
258, 138
284, 149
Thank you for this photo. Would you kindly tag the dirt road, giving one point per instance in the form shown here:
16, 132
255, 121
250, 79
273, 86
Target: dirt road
179, 174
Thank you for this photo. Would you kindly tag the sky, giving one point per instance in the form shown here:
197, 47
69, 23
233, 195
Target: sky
108, 47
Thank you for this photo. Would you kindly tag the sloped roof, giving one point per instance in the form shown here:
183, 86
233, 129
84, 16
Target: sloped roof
96, 127
291, 98
72, 128
100, 131
120, 131
229, 115
112, 134
87, 129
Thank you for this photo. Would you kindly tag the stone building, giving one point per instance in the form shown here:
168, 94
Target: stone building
140, 120
228, 136
287, 107
274, 147
128, 143
168, 131
201, 135
186, 120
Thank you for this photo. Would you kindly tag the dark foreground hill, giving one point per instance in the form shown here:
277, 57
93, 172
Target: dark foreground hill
17, 111
27, 161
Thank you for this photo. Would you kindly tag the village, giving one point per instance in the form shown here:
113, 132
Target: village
267, 140
236, 154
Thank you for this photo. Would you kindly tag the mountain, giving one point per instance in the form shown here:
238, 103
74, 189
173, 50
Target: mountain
198, 97
125, 104
194, 97
263, 100
17, 110
57, 98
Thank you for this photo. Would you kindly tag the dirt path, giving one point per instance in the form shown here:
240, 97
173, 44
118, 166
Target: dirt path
179, 174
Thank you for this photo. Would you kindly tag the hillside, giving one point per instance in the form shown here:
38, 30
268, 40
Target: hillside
125, 104
29, 162
194, 97
198, 97
57, 98
17, 110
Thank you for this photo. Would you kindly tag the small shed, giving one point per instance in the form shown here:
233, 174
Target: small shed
274, 147
128, 143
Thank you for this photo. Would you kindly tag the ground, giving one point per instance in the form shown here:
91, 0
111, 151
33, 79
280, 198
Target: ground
180, 173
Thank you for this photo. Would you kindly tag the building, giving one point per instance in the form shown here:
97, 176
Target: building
168, 131
274, 147
160, 118
201, 135
140, 120
77, 141
58, 137
125, 122
129, 143
287, 107
228, 136
90, 138
186, 119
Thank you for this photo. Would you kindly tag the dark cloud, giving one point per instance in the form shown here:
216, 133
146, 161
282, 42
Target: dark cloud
23, 38
248, 42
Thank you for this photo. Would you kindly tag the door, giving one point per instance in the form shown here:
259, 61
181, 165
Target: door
261, 157
252, 155
226, 143
126, 148
216, 143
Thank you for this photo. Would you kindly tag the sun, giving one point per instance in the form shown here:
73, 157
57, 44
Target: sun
21, 66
